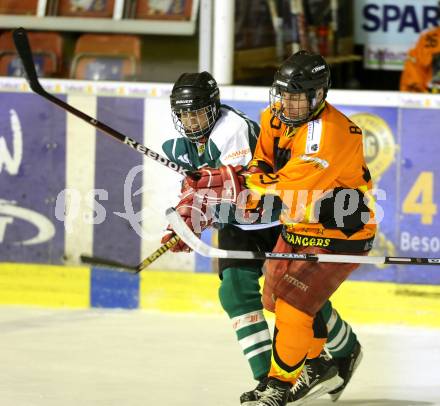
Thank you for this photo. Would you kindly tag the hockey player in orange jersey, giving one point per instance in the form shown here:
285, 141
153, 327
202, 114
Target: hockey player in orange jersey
311, 156
421, 72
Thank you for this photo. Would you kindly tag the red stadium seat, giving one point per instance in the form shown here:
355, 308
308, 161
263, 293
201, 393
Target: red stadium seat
18, 7
106, 57
47, 48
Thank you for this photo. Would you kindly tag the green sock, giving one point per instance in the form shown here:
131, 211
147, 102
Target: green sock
341, 338
241, 299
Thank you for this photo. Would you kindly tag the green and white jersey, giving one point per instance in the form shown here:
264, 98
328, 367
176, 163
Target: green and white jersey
232, 141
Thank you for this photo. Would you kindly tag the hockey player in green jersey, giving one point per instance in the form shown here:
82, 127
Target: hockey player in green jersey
213, 134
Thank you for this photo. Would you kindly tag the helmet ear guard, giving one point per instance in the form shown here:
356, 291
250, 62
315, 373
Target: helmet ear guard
196, 97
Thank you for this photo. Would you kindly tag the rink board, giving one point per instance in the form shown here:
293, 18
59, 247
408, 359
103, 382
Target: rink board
45, 285
81, 287
66, 189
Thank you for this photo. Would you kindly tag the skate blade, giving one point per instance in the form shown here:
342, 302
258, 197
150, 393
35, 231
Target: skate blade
322, 389
335, 396
249, 403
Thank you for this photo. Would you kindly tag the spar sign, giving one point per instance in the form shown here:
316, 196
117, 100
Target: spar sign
388, 28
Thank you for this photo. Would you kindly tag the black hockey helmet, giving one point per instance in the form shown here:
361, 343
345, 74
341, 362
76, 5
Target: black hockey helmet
195, 104
303, 72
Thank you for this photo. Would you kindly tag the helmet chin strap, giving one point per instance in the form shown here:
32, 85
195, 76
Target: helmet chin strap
318, 110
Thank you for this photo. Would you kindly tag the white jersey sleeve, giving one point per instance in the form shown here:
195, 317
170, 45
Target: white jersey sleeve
233, 136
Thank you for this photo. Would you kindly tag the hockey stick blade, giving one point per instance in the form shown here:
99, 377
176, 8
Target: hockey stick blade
184, 232
107, 263
24, 51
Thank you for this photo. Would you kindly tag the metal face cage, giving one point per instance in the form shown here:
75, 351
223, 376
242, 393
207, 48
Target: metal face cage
194, 124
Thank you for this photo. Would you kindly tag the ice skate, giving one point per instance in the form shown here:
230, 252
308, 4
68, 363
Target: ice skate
319, 376
276, 393
251, 397
346, 367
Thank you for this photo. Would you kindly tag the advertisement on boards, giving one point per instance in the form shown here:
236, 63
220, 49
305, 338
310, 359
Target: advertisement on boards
32, 172
399, 145
389, 28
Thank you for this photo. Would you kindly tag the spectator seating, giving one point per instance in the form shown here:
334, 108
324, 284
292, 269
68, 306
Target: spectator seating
18, 7
106, 57
47, 50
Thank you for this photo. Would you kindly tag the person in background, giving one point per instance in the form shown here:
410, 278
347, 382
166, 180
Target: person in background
421, 72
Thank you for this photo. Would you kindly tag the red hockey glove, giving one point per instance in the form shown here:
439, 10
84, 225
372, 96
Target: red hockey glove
219, 185
194, 212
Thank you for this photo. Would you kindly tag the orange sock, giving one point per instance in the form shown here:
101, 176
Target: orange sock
316, 347
293, 339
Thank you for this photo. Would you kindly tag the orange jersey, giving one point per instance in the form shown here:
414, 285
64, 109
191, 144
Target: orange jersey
307, 168
421, 62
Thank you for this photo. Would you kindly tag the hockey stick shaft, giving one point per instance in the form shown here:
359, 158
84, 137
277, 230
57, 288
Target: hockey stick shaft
158, 253
24, 51
184, 232
104, 262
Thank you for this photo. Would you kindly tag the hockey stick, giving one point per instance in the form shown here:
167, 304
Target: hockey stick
103, 262
107, 263
184, 232
24, 51
158, 253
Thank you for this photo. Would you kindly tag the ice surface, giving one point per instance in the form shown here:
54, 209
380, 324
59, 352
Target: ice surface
131, 358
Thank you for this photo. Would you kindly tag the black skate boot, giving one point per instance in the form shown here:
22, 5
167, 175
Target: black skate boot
346, 368
276, 393
250, 398
318, 377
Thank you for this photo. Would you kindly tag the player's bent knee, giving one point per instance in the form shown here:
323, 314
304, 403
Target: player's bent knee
239, 291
